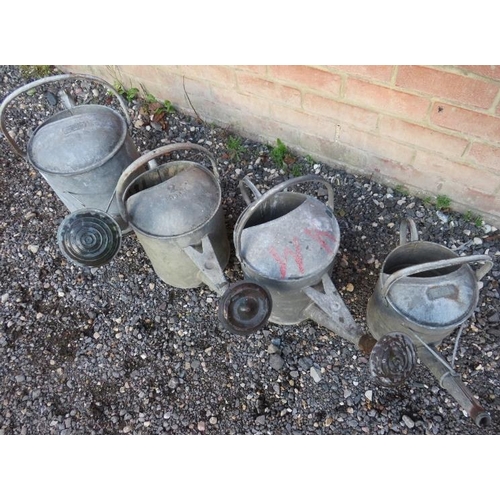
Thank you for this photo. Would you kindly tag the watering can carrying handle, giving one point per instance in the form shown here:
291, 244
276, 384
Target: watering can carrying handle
247, 185
406, 225
50, 79
439, 264
276, 189
128, 173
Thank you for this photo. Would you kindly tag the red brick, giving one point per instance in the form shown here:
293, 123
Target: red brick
466, 121
421, 136
460, 173
486, 155
305, 122
261, 70
139, 72
195, 88
487, 71
387, 100
221, 75
390, 169
473, 199
488, 203
344, 113
250, 104
305, 76
251, 84
450, 86
381, 73
375, 145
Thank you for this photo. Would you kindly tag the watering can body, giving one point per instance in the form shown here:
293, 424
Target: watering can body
287, 242
80, 151
175, 210
423, 294
424, 289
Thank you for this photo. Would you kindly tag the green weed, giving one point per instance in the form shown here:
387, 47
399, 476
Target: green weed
310, 160
443, 202
128, 94
278, 153
477, 220
402, 190
297, 170
36, 71
234, 147
285, 160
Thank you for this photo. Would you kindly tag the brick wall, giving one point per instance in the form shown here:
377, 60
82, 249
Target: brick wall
435, 129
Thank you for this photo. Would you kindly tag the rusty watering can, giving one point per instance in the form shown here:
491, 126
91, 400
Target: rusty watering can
424, 293
176, 212
287, 241
81, 152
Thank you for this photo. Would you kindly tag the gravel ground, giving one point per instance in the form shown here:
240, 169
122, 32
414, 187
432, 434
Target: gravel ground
114, 350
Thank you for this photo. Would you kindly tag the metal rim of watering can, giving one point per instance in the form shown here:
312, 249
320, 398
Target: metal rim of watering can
127, 176
89, 237
119, 143
245, 216
438, 264
244, 308
392, 360
51, 79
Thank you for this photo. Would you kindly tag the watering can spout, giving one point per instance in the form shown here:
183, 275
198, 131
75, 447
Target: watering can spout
329, 310
452, 383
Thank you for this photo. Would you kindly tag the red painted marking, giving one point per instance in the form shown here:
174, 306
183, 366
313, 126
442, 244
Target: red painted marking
282, 260
320, 237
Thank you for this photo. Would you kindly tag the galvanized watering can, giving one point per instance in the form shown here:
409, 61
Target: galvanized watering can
287, 241
176, 212
81, 152
424, 293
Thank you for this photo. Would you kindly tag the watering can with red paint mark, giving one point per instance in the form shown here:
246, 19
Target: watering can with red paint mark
286, 242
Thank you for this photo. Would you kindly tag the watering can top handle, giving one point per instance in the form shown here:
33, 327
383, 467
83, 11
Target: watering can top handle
439, 264
49, 79
406, 225
247, 185
125, 178
260, 198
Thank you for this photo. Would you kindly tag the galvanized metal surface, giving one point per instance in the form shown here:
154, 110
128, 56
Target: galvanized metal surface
287, 242
89, 237
452, 383
425, 288
172, 199
175, 210
424, 292
82, 151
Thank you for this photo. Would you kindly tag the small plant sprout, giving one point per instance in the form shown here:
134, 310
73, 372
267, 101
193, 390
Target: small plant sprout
40, 71
310, 160
443, 202
282, 158
235, 147
278, 153
128, 94
297, 170
401, 189
470, 216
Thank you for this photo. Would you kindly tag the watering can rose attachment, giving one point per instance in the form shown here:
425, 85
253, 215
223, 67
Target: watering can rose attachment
286, 242
176, 213
425, 292
80, 151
